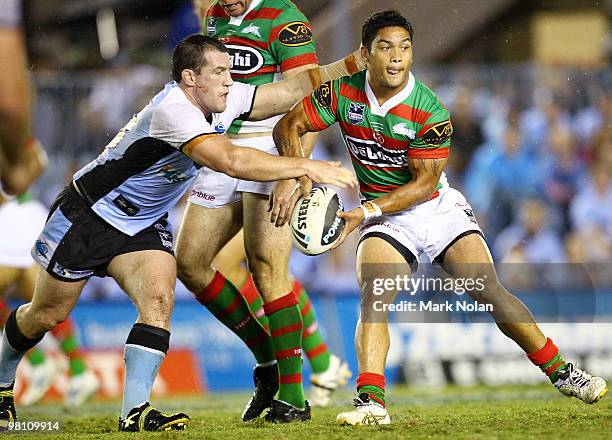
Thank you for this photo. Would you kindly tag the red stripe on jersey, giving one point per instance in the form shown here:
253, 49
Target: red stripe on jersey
410, 113
262, 71
299, 61
371, 187
367, 133
276, 30
352, 93
263, 14
313, 117
428, 153
245, 42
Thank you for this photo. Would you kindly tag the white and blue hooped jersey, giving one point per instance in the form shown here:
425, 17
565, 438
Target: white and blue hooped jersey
142, 172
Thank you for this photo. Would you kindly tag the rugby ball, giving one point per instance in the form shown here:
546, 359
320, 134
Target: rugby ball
315, 228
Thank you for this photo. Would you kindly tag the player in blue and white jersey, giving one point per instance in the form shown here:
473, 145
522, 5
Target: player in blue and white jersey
112, 218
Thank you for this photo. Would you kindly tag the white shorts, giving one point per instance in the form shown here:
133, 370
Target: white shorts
21, 222
429, 228
213, 189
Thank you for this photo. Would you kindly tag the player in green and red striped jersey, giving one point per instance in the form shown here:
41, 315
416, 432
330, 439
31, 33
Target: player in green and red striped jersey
398, 136
272, 40
268, 40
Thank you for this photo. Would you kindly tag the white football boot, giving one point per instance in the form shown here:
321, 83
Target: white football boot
324, 384
80, 388
366, 412
574, 382
40, 378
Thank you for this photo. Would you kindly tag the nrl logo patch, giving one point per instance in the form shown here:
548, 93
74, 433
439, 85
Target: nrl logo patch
438, 134
355, 112
295, 34
211, 29
323, 95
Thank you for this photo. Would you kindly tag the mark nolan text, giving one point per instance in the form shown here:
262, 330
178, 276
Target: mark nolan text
431, 306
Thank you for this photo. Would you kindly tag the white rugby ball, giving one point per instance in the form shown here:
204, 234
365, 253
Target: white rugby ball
315, 228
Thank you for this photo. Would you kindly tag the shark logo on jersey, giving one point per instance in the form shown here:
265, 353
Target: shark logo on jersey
252, 29
402, 130
355, 112
220, 128
212, 26
171, 175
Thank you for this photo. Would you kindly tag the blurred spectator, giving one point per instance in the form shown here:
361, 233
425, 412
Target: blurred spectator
564, 175
530, 239
591, 214
467, 133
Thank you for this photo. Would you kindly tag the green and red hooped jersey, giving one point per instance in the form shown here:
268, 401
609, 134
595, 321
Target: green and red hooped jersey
380, 139
273, 36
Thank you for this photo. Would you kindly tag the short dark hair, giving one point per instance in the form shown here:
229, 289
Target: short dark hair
189, 53
380, 20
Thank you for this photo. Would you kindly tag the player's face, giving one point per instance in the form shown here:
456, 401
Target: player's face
213, 82
390, 58
235, 8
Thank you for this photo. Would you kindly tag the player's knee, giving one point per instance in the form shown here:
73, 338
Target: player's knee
158, 302
47, 319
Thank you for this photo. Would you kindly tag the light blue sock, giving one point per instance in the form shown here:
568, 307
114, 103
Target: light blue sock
141, 367
9, 360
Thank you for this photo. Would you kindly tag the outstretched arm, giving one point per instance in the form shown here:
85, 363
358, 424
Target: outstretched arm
218, 153
278, 98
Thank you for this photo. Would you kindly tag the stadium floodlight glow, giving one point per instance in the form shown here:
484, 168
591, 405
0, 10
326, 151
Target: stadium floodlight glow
107, 33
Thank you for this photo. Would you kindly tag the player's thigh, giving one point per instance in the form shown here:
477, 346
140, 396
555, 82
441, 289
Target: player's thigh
149, 278
8, 276
469, 258
379, 259
266, 245
204, 231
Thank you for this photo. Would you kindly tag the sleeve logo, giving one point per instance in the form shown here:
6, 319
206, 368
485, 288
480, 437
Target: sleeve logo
438, 134
294, 34
323, 95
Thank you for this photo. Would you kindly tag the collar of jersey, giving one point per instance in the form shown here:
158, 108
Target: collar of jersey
382, 110
237, 21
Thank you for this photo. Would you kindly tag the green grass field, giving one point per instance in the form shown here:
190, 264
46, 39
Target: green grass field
476, 413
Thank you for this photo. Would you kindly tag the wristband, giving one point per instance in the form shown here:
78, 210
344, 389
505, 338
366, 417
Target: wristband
371, 210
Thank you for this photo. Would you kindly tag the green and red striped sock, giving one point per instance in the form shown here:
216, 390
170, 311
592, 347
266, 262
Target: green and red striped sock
255, 301
312, 341
374, 385
227, 304
286, 329
66, 336
548, 359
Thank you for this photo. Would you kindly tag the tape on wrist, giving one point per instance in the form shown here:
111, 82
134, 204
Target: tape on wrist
371, 210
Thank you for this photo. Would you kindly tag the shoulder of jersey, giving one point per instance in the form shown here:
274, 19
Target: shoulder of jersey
428, 95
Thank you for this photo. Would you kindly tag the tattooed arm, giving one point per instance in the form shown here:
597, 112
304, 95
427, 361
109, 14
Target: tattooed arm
425, 177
